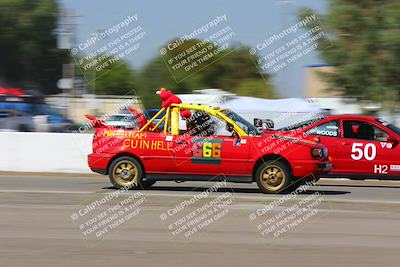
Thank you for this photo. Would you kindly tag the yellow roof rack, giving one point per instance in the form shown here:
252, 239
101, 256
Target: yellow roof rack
171, 118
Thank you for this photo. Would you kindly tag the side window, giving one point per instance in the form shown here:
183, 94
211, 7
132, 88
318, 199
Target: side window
380, 135
200, 123
330, 128
363, 130
221, 128
203, 124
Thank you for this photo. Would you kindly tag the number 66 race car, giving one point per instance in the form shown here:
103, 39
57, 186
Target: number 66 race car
211, 144
359, 146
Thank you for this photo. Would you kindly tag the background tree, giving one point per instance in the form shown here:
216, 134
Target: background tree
237, 73
116, 79
156, 75
28, 50
29, 56
255, 88
233, 70
365, 50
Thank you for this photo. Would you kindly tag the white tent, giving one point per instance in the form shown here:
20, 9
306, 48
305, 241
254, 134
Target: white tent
283, 112
338, 105
213, 97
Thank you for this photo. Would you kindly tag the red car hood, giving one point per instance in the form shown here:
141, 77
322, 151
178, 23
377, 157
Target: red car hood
289, 136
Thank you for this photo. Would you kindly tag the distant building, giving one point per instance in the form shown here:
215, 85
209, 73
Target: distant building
315, 85
77, 106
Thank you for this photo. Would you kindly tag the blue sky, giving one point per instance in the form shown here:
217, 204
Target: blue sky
252, 21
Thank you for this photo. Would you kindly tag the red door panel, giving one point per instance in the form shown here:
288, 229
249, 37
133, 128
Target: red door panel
235, 156
197, 155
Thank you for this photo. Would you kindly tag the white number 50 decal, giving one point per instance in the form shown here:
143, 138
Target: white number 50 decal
369, 151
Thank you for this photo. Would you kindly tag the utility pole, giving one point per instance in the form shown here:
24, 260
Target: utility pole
66, 40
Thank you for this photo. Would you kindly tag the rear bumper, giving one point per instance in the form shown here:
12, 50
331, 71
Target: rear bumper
99, 171
99, 162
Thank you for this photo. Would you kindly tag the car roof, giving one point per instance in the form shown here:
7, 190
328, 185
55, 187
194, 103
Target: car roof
351, 117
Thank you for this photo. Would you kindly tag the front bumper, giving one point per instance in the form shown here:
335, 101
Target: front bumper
302, 168
324, 167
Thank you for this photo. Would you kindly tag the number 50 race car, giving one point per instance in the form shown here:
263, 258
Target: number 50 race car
359, 146
207, 144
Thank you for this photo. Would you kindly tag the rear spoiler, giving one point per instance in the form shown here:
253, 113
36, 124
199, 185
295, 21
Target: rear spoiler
141, 119
95, 122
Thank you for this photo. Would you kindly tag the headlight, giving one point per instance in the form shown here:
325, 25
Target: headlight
317, 153
321, 153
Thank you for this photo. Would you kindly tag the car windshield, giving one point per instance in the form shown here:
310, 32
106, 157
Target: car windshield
246, 126
300, 124
389, 125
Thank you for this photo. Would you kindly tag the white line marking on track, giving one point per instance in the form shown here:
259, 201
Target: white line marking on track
47, 191
189, 194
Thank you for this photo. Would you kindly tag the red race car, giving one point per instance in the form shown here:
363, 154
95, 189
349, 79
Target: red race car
359, 146
212, 144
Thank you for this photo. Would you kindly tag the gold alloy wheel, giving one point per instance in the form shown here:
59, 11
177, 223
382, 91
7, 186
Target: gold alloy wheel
273, 177
125, 173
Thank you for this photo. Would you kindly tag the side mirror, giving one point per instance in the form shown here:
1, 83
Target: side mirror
392, 140
264, 124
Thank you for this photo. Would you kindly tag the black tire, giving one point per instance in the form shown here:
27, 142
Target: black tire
147, 183
273, 176
126, 172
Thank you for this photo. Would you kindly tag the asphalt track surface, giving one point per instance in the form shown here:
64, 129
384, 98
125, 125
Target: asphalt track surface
346, 223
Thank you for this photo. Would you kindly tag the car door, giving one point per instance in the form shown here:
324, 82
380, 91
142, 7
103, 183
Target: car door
363, 149
392, 145
235, 155
197, 154
211, 151
196, 151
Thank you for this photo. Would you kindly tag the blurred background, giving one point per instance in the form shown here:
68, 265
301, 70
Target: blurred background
45, 85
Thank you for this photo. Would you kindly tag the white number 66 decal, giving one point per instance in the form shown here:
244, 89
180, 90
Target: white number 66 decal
369, 151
